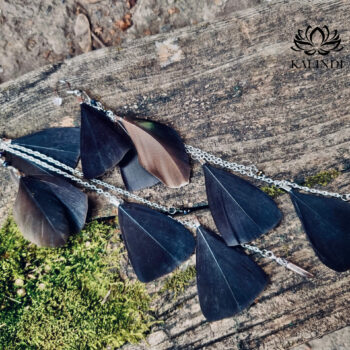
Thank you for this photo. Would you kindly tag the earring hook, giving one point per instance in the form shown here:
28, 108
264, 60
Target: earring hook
75, 92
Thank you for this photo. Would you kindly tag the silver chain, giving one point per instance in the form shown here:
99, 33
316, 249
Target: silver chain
281, 261
93, 103
112, 199
266, 254
197, 154
125, 193
16, 149
188, 223
253, 172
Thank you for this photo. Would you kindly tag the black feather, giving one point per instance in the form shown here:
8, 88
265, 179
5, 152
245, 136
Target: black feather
49, 209
62, 144
103, 144
135, 177
156, 244
327, 225
228, 280
241, 211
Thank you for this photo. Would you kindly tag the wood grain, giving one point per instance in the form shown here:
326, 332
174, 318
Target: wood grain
289, 122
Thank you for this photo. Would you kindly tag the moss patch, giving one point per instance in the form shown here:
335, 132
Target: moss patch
323, 178
179, 280
68, 298
272, 191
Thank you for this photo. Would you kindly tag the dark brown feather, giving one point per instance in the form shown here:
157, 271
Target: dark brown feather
160, 151
49, 209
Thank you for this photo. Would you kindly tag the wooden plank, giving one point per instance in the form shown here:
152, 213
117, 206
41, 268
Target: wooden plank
290, 122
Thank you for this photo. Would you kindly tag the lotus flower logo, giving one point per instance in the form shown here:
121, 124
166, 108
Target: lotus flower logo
317, 40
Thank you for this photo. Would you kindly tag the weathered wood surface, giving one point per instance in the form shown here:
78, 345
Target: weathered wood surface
291, 123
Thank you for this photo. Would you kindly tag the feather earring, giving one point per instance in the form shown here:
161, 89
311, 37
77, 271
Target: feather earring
326, 222
156, 244
106, 139
228, 280
241, 211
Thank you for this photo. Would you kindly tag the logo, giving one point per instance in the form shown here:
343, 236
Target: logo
317, 41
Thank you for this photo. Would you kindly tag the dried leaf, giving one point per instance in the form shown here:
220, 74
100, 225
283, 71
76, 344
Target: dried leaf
124, 23
82, 32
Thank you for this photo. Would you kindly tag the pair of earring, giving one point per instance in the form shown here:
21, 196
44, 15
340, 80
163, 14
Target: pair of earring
241, 211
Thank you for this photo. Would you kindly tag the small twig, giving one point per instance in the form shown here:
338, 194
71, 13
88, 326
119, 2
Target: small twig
16, 301
106, 297
99, 41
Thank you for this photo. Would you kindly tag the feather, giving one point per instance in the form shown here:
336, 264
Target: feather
156, 244
241, 211
103, 144
62, 144
25, 166
160, 150
326, 222
135, 177
228, 280
48, 210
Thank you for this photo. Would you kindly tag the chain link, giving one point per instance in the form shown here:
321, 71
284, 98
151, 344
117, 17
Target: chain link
188, 223
281, 261
266, 254
85, 98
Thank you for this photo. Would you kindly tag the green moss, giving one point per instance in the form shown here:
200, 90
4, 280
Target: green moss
323, 178
179, 280
56, 298
272, 191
